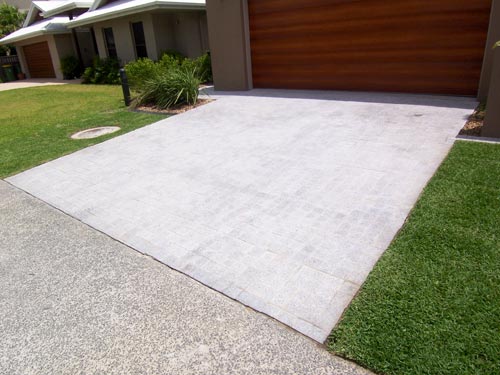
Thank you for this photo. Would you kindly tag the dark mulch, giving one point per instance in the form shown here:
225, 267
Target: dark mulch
172, 110
474, 124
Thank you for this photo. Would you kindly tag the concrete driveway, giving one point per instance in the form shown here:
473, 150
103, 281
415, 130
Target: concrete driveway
282, 200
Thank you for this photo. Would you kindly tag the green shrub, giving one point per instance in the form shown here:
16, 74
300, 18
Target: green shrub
70, 67
202, 65
168, 62
88, 75
174, 55
140, 71
170, 88
103, 71
173, 80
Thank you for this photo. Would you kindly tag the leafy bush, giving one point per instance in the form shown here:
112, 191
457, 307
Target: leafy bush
168, 62
173, 55
172, 81
205, 66
170, 88
139, 71
202, 65
88, 75
71, 67
103, 71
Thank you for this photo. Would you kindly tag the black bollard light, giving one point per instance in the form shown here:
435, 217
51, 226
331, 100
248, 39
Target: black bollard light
125, 88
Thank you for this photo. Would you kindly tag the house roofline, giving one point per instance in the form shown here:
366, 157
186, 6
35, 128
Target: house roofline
45, 27
31, 35
139, 8
29, 17
67, 7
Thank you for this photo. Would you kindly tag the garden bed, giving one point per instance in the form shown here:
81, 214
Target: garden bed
172, 110
474, 124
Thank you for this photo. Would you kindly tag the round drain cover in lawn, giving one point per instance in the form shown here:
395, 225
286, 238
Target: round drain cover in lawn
95, 132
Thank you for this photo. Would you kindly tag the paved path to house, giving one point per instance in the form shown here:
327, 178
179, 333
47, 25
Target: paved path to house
281, 200
75, 301
35, 83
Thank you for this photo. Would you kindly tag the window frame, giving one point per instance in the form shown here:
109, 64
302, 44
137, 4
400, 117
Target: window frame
109, 42
140, 49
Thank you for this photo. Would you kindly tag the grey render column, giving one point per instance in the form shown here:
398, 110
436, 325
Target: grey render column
229, 39
493, 37
491, 126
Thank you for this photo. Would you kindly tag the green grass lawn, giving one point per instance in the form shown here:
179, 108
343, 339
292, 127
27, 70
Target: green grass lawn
432, 303
35, 123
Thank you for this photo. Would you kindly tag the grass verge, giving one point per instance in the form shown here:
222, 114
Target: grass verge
35, 123
432, 303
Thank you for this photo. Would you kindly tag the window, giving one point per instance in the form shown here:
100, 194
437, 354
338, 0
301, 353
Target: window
109, 38
139, 40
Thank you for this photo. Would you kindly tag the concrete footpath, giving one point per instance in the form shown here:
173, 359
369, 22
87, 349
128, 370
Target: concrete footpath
73, 300
35, 82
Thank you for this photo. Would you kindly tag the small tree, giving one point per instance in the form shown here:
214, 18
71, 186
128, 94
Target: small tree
11, 19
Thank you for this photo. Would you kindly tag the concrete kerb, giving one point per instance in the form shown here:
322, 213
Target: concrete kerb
470, 138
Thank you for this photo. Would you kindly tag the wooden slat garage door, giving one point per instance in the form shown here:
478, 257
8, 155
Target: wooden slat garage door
38, 60
421, 46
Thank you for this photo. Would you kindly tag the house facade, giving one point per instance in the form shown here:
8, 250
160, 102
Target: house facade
121, 29
45, 38
129, 30
416, 46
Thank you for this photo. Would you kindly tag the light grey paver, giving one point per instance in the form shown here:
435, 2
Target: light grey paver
75, 301
281, 200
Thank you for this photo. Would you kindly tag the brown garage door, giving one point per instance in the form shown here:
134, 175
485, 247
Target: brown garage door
38, 60
422, 46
